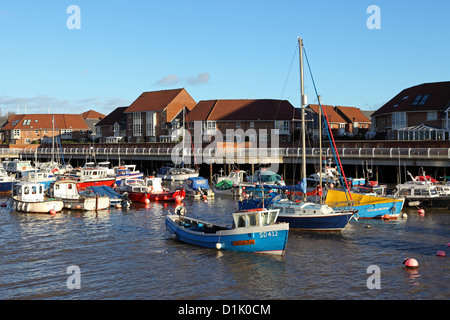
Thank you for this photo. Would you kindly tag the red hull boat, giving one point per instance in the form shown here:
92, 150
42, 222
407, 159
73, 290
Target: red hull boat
177, 195
81, 185
149, 189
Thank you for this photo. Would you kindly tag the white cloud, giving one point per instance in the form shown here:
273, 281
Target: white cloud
174, 79
199, 79
168, 80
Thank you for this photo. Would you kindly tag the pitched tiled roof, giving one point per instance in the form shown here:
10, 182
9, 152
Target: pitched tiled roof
333, 116
244, 110
113, 117
44, 121
423, 97
353, 113
153, 100
91, 114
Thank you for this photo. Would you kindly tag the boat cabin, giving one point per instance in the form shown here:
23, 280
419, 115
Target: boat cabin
255, 218
65, 189
37, 175
134, 185
154, 183
417, 190
105, 165
29, 191
96, 173
18, 166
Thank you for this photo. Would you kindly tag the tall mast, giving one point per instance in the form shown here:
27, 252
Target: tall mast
302, 105
320, 145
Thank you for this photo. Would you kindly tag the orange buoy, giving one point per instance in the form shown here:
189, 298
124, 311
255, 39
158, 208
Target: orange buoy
411, 263
386, 216
52, 211
440, 253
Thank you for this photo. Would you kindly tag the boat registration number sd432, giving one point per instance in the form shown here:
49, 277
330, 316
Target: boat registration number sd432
268, 234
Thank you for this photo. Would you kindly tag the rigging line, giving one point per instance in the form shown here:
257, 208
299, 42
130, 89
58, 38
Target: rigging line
330, 135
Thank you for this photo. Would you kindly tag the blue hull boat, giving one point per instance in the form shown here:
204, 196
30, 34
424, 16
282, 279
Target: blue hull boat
6, 186
302, 216
254, 231
368, 206
335, 222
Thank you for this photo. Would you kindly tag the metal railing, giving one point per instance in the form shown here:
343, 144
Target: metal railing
365, 153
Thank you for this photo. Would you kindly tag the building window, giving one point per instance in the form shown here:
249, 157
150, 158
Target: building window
431, 115
252, 124
150, 122
283, 126
26, 122
137, 124
398, 120
238, 124
16, 134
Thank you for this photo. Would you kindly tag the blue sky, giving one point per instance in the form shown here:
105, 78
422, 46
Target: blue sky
216, 50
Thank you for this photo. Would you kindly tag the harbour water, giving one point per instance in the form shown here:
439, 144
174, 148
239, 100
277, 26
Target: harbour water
127, 254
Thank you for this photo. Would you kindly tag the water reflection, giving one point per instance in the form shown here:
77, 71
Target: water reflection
128, 254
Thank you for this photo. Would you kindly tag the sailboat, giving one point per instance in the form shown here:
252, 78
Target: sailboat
302, 214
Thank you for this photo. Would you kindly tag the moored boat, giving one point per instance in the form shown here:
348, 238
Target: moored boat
176, 174
6, 181
149, 189
256, 231
368, 206
127, 172
88, 177
198, 187
30, 197
302, 216
66, 190
266, 176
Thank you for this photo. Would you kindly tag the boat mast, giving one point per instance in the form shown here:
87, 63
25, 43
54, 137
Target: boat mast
302, 105
320, 146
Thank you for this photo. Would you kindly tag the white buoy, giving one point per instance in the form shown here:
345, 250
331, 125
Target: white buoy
404, 215
218, 246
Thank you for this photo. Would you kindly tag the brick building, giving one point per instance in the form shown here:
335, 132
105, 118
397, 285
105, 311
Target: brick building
39, 128
150, 117
420, 112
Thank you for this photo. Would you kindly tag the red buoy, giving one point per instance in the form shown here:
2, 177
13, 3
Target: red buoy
411, 263
52, 211
440, 253
421, 212
147, 201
